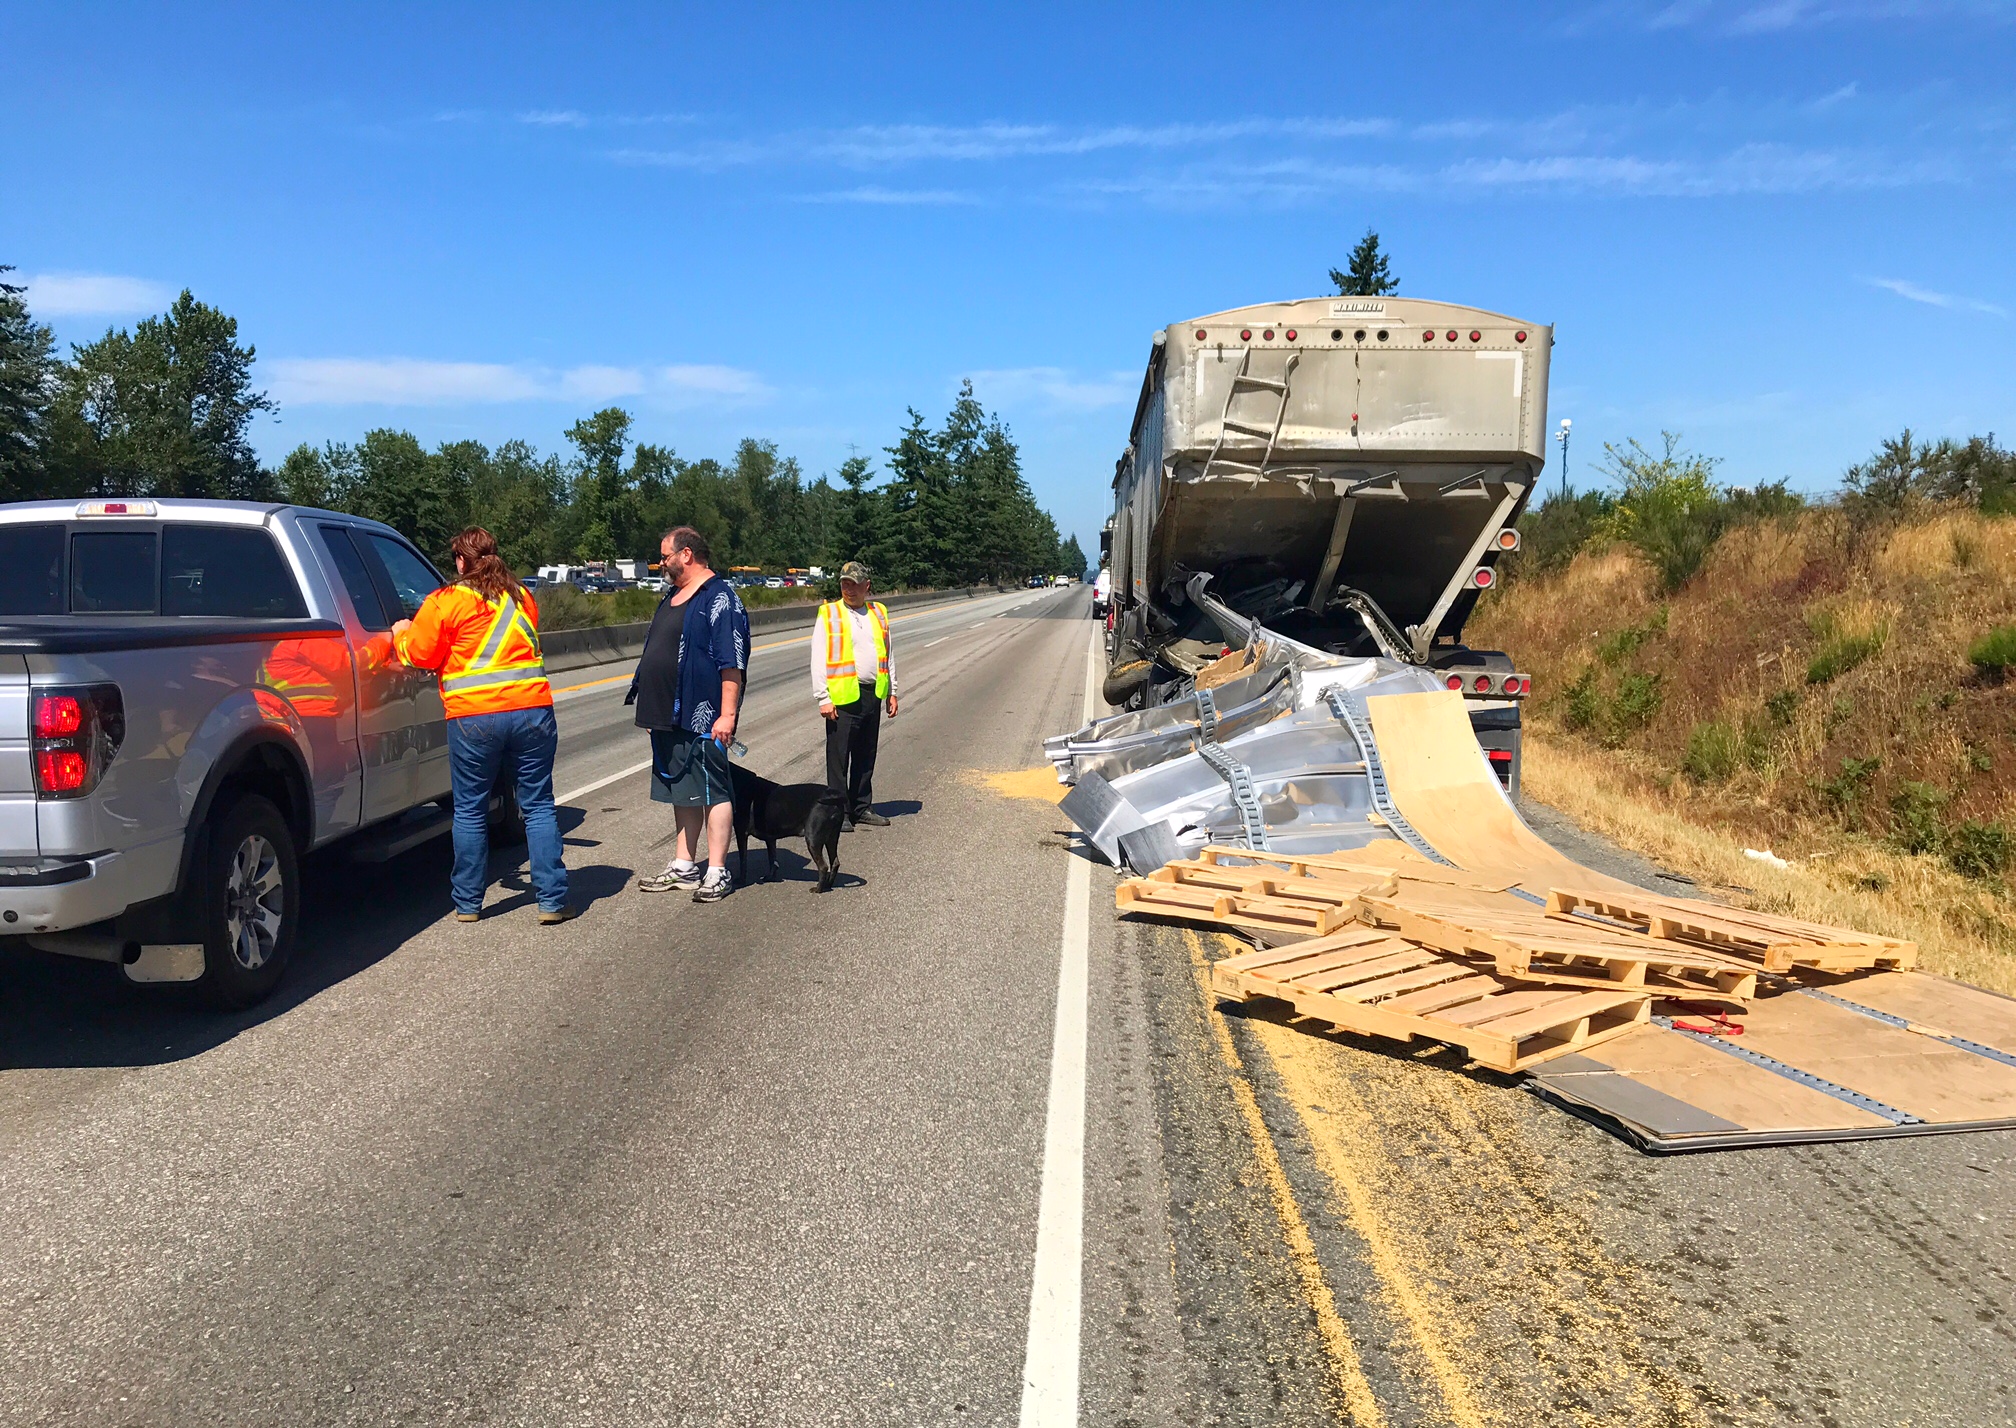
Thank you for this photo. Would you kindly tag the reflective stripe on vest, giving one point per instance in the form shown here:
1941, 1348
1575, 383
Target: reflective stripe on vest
843, 682
490, 666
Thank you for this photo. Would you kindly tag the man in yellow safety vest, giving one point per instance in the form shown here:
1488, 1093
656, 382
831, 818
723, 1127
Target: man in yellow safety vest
853, 678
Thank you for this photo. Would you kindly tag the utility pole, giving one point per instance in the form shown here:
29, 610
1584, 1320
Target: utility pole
1562, 437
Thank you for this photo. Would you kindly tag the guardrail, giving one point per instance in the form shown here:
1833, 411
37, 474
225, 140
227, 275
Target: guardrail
604, 644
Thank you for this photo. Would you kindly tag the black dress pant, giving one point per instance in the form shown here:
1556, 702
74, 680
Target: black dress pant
851, 737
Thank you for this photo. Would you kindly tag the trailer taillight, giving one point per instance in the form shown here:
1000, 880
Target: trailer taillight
1455, 681
1518, 337
1200, 334
1452, 336
1428, 336
1245, 334
1476, 337
1481, 577
1482, 684
1289, 334
1268, 334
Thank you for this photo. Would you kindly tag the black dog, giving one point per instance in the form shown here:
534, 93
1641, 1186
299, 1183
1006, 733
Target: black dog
787, 810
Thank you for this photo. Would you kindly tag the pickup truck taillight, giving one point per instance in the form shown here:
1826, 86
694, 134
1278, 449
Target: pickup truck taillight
74, 734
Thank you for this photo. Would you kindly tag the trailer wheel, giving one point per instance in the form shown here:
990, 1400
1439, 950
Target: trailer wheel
251, 901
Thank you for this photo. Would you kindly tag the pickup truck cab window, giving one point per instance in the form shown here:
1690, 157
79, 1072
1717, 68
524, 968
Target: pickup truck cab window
31, 570
356, 578
413, 579
112, 573
230, 571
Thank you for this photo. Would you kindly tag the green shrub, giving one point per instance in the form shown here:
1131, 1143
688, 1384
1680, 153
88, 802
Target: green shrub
1979, 850
1714, 750
1626, 642
1638, 699
1583, 702
1780, 706
1846, 789
1916, 822
1842, 652
1994, 654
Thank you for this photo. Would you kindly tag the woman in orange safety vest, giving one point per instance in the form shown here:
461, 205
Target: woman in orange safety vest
482, 634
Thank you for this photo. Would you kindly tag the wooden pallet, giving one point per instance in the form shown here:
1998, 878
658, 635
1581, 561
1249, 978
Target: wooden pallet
1377, 860
1523, 941
1779, 943
1229, 907
1367, 981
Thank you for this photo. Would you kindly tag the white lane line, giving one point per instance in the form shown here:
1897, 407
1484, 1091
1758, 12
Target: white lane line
602, 783
939, 641
976, 624
1050, 1364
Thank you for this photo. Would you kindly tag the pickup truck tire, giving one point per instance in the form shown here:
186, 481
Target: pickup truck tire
507, 823
251, 902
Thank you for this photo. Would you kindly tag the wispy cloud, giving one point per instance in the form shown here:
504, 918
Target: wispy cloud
93, 294
1056, 388
874, 193
417, 382
1762, 17
1914, 293
555, 118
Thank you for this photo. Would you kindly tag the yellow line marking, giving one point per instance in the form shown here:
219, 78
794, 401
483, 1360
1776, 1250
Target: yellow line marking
758, 649
1345, 1364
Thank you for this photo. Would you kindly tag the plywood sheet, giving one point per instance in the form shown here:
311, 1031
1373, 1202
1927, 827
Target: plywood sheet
1439, 780
1726, 1086
1938, 1004
1916, 1074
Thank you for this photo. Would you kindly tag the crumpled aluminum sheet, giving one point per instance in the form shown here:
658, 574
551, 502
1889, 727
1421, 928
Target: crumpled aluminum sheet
1307, 769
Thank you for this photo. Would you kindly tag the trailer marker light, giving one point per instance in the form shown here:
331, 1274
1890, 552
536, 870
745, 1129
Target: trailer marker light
1289, 334
1268, 334
57, 716
1499, 756
1518, 337
1482, 684
59, 770
1428, 336
1337, 334
1508, 539
1245, 334
1359, 336
1452, 337
1481, 577
1476, 337
1200, 334
1455, 681
1382, 334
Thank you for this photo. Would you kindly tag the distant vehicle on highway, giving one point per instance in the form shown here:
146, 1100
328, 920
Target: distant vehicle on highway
1102, 593
193, 694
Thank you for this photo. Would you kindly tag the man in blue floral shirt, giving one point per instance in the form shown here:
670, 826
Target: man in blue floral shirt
688, 692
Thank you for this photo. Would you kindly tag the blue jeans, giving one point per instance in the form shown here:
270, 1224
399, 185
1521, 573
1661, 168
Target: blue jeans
481, 749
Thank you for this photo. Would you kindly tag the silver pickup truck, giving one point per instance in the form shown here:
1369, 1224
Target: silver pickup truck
193, 694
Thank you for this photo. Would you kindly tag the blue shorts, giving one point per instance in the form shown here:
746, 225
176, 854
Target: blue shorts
689, 769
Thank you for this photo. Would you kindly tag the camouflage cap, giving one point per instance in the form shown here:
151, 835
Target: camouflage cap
854, 570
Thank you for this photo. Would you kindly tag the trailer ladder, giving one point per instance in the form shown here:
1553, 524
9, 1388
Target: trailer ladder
1244, 381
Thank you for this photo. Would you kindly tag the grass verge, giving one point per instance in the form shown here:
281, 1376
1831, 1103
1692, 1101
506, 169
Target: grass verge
1961, 929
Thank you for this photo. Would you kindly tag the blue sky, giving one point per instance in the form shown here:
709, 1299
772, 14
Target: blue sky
1780, 227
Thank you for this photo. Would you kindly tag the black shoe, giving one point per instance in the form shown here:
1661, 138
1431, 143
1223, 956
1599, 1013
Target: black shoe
869, 818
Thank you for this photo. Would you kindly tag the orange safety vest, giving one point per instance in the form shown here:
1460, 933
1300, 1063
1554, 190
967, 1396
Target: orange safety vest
313, 675
487, 651
843, 683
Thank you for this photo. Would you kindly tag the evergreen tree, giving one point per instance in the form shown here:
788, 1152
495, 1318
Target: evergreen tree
1071, 559
857, 516
1367, 274
27, 371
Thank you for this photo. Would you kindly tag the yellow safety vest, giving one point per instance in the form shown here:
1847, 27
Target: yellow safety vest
843, 684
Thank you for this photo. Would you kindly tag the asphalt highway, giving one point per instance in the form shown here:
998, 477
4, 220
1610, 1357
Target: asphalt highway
781, 1160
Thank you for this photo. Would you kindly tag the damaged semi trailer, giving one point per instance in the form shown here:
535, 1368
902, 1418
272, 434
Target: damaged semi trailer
1345, 472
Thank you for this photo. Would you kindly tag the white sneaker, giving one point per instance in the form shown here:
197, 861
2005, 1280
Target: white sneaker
677, 877
715, 886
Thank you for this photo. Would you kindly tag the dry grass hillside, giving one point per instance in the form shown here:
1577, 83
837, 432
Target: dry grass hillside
1828, 690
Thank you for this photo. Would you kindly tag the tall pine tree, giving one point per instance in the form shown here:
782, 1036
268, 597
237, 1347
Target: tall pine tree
1366, 274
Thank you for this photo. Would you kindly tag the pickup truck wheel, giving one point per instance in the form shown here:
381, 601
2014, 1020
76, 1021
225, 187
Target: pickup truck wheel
507, 824
251, 903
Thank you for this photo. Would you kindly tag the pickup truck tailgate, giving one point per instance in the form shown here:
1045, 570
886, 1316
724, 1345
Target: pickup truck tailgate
17, 781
